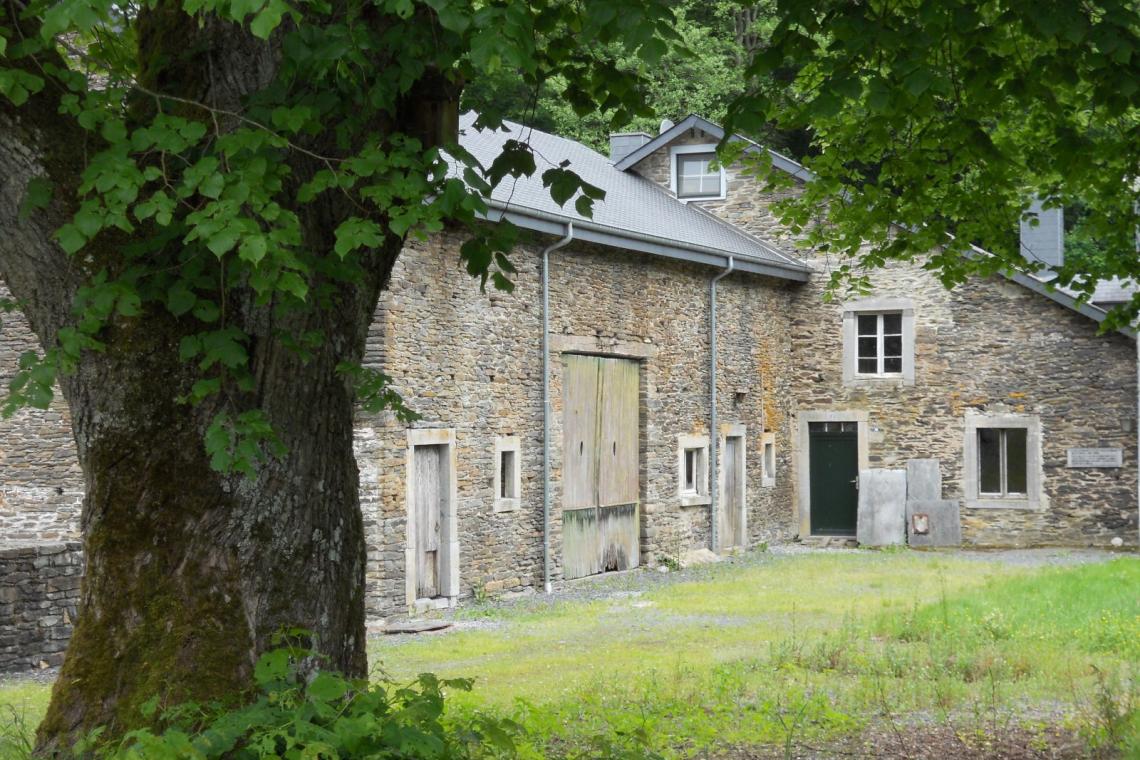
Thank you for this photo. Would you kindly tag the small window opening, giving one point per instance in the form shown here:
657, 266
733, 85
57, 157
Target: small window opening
507, 464
769, 459
693, 483
507, 476
691, 470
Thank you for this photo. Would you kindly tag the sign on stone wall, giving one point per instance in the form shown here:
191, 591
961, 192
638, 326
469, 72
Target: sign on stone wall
1096, 458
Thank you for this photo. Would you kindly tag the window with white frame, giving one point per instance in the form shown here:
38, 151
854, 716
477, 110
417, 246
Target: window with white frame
696, 173
693, 469
1002, 465
508, 474
768, 459
879, 344
878, 341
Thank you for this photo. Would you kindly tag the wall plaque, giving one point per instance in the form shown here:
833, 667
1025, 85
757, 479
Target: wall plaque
1096, 458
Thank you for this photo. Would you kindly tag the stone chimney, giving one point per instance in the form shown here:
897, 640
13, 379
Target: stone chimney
1045, 242
624, 143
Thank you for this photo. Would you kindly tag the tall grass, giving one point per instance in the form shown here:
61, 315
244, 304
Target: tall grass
794, 652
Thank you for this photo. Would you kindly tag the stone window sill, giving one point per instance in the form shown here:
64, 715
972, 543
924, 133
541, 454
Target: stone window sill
876, 381
695, 500
767, 482
506, 505
1021, 504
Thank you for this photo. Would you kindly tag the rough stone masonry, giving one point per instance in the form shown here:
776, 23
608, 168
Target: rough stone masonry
39, 594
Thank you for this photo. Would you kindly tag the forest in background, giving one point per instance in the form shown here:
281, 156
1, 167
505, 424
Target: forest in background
703, 77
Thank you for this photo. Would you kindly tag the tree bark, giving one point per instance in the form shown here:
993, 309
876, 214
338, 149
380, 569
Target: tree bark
191, 572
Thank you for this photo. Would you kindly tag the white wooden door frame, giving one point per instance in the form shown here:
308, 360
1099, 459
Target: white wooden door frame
448, 521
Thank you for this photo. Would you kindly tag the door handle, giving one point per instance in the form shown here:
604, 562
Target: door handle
855, 480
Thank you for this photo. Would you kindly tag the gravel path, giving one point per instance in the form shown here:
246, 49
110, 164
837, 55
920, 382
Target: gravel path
633, 583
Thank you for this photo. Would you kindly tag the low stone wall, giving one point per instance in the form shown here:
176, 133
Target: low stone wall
39, 593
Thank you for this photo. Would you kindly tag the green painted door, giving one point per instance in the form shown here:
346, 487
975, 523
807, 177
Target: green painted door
834, 472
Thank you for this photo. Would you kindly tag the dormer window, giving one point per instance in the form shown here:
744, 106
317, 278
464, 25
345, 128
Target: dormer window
696, 173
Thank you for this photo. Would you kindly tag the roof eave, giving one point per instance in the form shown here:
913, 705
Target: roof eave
1092, 312
586, 231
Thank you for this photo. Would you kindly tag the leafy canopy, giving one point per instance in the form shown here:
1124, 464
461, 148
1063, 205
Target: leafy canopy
935, 123
210, 199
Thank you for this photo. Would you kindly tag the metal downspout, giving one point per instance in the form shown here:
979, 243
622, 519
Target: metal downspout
714, 484
546, 402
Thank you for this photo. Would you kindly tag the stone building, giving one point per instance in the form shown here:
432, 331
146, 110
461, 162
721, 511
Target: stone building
691, 389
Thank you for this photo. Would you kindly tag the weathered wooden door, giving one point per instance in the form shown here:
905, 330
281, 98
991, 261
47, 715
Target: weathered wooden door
732, 504
833, 474
600, 465
431, 489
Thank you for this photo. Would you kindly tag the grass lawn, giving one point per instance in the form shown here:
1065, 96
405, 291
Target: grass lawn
882, 653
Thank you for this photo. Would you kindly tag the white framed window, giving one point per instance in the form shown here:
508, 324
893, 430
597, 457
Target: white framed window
507, 480
768, 459
696, 173
693, 470
1002, 468
878, 341
1002, 465
879, 344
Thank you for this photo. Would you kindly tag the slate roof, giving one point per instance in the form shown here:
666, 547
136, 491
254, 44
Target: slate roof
1113, 291
636, 213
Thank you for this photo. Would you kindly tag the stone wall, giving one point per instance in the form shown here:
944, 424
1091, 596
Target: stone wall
471, 361
989, 346
993, 346
39, 592
41, 485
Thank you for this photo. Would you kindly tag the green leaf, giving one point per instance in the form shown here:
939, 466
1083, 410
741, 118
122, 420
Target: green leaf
113, 131
180, 299
357, 233
268, 19
129, 304
291, 282
327, 688
253, 248
70, 238
37, 195
206, 310
212, 186
222, 242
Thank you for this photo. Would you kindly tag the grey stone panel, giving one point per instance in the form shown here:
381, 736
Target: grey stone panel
923, 479
943, 520
882, 508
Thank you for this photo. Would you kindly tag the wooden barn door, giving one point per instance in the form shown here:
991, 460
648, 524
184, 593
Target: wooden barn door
600, 466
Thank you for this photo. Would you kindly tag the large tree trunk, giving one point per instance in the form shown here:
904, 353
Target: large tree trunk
190, 572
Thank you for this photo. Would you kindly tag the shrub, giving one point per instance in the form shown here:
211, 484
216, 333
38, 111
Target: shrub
302, 713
